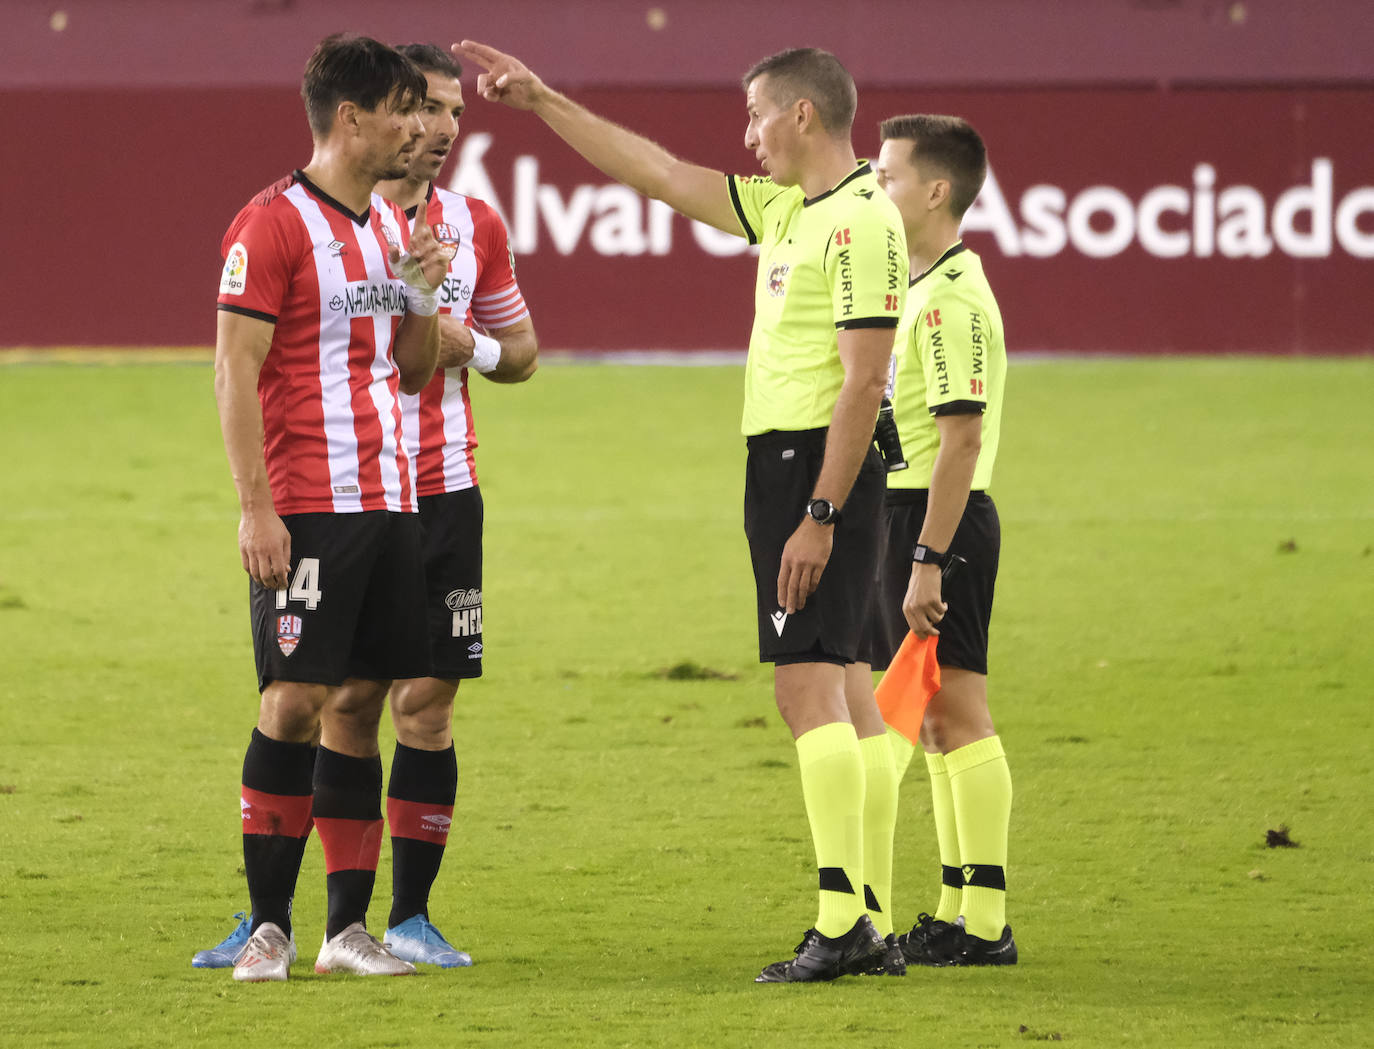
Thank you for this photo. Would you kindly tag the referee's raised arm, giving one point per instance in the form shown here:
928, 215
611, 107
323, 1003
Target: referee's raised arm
699, 193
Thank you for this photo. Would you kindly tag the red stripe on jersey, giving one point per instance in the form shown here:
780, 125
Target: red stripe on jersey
275, 815
470, 439
429, 461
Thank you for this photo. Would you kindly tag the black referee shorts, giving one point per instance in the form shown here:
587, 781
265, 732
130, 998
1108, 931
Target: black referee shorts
451, 530
780, 476
963, 640
353, 605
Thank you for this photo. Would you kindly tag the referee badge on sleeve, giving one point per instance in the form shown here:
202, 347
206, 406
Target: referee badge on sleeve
288, 633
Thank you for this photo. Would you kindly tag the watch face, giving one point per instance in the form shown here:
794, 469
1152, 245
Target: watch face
821, 510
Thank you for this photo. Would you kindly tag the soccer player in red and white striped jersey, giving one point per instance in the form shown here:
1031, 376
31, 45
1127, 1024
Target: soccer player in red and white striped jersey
485, 327
322, 323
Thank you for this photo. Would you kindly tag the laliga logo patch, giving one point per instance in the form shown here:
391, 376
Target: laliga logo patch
449, 237
777, 280
232, 280
288, 633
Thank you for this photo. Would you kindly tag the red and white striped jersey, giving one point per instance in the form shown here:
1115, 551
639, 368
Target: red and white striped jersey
480, 289
329, 388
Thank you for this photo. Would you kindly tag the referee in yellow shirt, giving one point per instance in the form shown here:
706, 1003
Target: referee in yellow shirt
831, 281
949, 374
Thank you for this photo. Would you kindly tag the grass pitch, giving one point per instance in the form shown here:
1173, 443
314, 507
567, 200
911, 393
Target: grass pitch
1181, 663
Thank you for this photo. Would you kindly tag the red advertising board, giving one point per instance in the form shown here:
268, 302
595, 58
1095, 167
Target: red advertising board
1123, 220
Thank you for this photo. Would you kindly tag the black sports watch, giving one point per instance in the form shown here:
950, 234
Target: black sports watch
823, 511
924, 555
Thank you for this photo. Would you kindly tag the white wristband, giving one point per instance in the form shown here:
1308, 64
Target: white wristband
486, 353
425, 303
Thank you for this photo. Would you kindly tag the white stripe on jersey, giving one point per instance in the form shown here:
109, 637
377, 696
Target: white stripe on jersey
383, 364
499, 310
335, 393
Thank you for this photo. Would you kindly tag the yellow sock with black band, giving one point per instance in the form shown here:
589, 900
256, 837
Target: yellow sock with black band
946, 838
880, 826
980, 783
832, 775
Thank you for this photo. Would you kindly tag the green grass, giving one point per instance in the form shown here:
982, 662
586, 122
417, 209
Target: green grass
1181, 661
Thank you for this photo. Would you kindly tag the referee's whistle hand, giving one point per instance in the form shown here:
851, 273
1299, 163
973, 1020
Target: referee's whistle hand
803, 560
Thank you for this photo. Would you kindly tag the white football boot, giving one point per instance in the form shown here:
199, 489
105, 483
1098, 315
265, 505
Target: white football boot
267, 955
355, 950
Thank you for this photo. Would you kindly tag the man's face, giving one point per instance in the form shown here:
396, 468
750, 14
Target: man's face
390, 136
772, 132
901, 179
440, 114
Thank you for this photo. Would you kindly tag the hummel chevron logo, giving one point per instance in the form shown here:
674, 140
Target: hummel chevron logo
779, 621
954, 274
969, 872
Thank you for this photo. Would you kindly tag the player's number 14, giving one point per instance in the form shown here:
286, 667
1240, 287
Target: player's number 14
305, 585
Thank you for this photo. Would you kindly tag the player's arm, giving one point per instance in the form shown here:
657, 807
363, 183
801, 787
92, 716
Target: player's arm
519, 352
416, 349
422, 267
241, 346
646, 167
961, 439
865, 353
516, 348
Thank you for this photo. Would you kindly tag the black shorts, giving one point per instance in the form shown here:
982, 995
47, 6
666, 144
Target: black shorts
451, 530
353, 606
963, 640
780, 476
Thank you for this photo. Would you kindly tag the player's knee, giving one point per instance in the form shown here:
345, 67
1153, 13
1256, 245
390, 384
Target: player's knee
422, 712
290, 711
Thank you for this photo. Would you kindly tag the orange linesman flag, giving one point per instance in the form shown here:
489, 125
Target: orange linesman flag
912, 678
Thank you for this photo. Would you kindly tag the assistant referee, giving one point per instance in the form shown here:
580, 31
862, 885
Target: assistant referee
949, 375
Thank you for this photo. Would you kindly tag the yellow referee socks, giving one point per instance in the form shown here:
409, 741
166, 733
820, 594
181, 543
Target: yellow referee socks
981, 785
832, 775
880, 824
903, 750
946, 838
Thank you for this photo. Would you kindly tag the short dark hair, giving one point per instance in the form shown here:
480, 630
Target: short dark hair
950, 146
430, 58
349, 68
813, 74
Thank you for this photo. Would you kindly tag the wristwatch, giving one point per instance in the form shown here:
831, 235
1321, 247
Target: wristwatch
926, 556
823, 511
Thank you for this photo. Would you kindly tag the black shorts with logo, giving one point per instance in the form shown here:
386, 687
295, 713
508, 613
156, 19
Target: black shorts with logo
780, 476
968, 593
353, 604
451, 530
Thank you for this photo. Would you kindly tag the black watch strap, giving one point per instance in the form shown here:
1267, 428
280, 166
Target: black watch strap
924, 555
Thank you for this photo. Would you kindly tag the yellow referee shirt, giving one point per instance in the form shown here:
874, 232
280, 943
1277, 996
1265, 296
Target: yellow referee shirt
833, 262
950, 358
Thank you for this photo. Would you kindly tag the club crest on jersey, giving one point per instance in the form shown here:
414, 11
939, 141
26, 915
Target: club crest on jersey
449, 238
777, 280
232, 280
390, 236
288, 633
